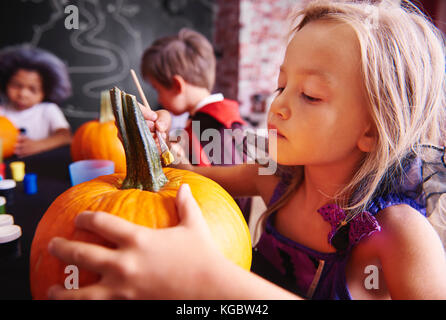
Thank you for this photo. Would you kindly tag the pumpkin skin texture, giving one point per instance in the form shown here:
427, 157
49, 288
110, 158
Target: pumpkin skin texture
99, 140
150, 209
9, 135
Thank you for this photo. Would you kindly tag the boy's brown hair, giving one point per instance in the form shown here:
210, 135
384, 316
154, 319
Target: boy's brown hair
187, 54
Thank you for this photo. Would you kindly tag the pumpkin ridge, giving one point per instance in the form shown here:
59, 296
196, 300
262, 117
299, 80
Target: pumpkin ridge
9, 135
108, 147
102, 146
88, 152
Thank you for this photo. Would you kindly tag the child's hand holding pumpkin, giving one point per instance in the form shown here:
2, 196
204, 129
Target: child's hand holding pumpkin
147, 263
182, 262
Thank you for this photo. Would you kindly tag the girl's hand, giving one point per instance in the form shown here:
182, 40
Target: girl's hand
26, 146
171, 263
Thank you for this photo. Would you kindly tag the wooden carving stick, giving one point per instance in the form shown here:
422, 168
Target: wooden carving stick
138, 86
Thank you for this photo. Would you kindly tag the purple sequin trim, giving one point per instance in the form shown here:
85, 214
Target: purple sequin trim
361, 225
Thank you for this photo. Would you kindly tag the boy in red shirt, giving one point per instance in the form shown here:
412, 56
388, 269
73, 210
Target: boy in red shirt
181, 69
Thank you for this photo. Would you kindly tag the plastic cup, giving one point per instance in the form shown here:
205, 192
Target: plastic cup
17, 170
86, 170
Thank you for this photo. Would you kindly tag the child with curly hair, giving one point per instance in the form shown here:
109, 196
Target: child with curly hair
32, 82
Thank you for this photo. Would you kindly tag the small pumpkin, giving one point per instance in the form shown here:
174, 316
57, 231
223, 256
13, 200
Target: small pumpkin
9, 135
145, 195
98, 139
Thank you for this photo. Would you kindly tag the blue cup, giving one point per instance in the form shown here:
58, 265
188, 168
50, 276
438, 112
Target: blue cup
30, 183
86, 170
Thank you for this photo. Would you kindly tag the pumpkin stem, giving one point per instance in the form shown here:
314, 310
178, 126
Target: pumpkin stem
144, 169
106, 111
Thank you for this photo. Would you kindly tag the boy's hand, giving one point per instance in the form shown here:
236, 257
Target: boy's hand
161, 120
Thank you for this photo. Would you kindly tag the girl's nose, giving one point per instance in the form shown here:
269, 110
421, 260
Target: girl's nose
280, 108
23, 93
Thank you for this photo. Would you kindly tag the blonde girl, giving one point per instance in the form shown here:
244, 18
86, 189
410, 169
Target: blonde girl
359, 108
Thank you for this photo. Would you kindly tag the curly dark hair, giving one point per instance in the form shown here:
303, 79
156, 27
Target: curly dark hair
55, 79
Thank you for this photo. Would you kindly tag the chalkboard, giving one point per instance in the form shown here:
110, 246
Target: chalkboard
110, 40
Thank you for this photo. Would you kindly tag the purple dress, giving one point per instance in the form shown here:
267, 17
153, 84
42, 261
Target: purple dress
316, 275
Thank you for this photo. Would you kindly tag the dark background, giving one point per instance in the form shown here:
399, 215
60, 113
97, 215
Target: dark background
111, 38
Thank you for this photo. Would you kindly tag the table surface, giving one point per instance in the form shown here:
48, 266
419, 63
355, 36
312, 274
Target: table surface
52, 179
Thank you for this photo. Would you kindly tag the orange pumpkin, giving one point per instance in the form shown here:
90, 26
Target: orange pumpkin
98, 139
8, 135
145, 195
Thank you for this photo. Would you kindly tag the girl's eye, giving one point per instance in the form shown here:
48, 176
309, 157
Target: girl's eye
279, 90
309, 98
14, 84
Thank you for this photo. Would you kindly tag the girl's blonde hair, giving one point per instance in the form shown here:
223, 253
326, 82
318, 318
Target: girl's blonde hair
403, 67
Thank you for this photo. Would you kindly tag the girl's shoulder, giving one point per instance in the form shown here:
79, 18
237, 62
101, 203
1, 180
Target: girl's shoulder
409, 197
402, 223
401, 227
396, 223
422, 186
407, 251
406, 236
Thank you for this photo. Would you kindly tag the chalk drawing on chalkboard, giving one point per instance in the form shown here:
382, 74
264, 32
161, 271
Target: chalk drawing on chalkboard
71, 111
56, 15
90, 40
86, 40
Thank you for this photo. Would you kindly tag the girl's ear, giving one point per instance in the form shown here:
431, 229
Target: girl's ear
367, 141
178, 84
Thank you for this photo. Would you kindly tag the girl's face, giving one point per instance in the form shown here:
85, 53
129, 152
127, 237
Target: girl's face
320, 111
25, 89
170, 98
